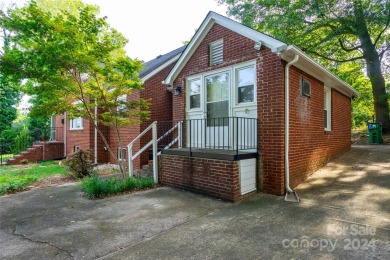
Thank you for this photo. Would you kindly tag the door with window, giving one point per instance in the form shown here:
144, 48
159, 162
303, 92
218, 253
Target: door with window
217, 110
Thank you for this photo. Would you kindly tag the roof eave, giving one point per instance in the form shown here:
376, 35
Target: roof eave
160, 68
317, 70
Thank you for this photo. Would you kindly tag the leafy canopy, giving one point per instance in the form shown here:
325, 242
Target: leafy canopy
65, 57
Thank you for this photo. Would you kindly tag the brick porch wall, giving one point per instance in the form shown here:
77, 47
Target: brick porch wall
160, 108
218, 178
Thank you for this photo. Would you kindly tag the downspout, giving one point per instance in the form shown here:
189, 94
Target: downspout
95, 138
287, 131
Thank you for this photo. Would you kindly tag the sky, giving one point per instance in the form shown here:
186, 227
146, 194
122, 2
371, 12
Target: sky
153, 27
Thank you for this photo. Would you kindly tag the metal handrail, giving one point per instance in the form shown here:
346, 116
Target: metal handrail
153, 142
178, 139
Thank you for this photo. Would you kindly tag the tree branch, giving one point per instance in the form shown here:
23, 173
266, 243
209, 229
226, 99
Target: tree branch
342, 45
336, 60
380, 34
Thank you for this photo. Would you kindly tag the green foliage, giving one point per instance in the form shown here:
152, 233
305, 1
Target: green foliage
18, 178
21, 142
80, 164
69, 56
95, 187
8, 98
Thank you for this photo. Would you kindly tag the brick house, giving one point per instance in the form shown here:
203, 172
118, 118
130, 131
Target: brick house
238, 112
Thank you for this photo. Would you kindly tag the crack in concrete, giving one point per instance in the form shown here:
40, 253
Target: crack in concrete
39, 241
145, 238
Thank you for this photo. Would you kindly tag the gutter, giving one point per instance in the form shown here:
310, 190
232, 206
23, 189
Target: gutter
287, 132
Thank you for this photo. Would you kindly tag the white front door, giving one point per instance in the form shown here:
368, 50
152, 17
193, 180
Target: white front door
219, 108
217, 91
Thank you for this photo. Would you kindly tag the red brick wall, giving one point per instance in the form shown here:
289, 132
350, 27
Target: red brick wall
217, 178
81, 138
127, 135
270, 109
160, 108
237, 49
311, 147
52, 150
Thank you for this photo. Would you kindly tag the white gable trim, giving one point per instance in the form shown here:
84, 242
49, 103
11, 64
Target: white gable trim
206, 25
160, 68
287, 53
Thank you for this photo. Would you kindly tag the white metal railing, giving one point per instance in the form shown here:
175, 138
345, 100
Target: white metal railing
153, 142
178, 139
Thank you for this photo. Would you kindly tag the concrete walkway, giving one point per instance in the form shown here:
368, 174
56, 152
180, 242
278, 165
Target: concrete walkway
344, 214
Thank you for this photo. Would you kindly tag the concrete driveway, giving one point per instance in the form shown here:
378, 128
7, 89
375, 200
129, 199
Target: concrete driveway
344, 214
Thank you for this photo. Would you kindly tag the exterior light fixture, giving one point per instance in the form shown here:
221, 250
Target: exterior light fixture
257, 45
177, 90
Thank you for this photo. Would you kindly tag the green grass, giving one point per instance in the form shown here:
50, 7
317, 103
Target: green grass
96, 188
18, 177
6, 157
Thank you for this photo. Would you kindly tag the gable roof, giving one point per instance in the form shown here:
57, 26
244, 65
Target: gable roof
159, 63
305, 62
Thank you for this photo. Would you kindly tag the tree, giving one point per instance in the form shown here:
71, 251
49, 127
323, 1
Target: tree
74, 61
338, 31
8, 99
8, 95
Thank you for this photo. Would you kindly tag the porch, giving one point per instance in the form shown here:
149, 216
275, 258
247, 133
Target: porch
214, 156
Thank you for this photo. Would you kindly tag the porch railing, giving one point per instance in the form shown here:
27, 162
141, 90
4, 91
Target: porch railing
225, 133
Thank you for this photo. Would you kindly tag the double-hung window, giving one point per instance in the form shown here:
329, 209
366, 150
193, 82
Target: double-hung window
194, 95
76, 123
245, 83
327, 108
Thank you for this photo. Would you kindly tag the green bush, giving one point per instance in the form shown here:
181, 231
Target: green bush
95, 187
80, 164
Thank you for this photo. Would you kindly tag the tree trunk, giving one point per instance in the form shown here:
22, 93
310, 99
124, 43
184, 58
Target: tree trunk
381, 100
371, 56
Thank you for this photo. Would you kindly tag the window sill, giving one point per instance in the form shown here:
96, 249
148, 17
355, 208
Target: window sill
328, 131
75, 129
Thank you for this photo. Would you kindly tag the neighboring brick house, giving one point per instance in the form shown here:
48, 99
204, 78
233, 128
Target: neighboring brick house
80, 133
251, 113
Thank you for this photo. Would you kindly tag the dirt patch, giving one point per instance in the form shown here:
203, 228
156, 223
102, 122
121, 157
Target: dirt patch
360, 137
52, 181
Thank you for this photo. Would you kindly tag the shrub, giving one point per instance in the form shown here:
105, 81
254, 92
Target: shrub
79, 164
95, 187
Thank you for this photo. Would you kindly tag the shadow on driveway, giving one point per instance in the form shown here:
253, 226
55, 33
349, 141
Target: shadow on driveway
344, 213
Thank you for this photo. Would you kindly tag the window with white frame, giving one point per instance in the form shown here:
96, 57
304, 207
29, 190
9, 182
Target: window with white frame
245, 83
121, 153
327, 108
194, 93
122, 103
76, 123
216, 52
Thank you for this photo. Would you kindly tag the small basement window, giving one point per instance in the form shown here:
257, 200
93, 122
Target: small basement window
305, 87
121, 153
216, 53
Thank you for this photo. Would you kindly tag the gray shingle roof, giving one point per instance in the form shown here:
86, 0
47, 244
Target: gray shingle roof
159, 60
